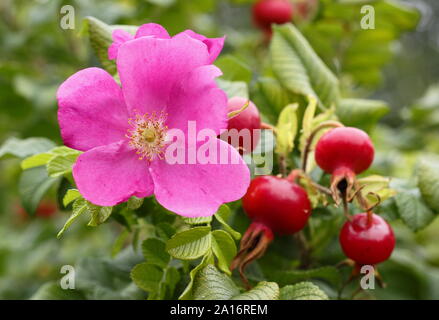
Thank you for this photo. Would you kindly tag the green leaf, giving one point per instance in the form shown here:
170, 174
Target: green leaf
287, 129
224, 248
22, 148
119, 242
361, 113
188, 291
53, 291
37, 160
298, 67
329, 274
62, 164
71, 195
302, 291
80, 206
134, 203
263, 291
222, 216
98, 214
233, 69
233, 88
198, 221
211, 284
154, 251
147, 276
190, 244
272, 97
32, 186
100, 35
428, 181
412, 209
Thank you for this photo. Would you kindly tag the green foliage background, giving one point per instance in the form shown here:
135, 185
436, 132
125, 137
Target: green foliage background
397, 63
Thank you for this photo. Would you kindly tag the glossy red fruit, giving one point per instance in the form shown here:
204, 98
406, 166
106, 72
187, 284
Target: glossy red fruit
367, 242
247, 124
277, 203
268, 12
344, 147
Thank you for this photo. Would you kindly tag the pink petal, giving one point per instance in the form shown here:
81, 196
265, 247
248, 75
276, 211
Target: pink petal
152, 29
196, 190
91, 110
150, 67
119, 38
197, 98
214, 45
111, 174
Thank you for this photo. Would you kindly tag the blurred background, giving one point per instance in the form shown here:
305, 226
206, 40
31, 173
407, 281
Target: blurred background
398, 63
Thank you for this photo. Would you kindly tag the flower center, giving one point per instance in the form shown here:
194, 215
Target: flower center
148, 135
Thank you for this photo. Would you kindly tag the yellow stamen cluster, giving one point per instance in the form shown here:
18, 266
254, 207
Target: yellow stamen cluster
148, 135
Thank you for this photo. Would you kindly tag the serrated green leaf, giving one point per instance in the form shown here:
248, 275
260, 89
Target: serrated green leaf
147, 276
98, 214
80, 206
263, 291
211, 284
32, 186
298, 67
61, 164
222, 215
190, 244
302, 291
198, 221
71, 195
154, 251
361, 113
22, 148
412, 209
329, 274
287, 129
428, 181
188, 291
224, 249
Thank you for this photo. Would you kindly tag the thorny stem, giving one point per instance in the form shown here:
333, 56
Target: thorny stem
310, 139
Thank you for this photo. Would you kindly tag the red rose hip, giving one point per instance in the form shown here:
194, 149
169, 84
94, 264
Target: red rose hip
247, 125
277, 203
344, 152
274, 205
267, 12
367, 240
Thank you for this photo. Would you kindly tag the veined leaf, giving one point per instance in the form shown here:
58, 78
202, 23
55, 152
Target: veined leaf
154, 251
79, 207
147, 276
224, 248
222, 216
23, 148
298, 67
428, 181
188, 291
211, 284
71, 195
302, 291
190, 244
361, 113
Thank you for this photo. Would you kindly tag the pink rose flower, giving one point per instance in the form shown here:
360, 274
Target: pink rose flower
214, 46
165, 82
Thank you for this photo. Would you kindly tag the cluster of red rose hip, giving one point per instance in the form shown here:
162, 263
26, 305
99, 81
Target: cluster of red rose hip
268, 12
278, 205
